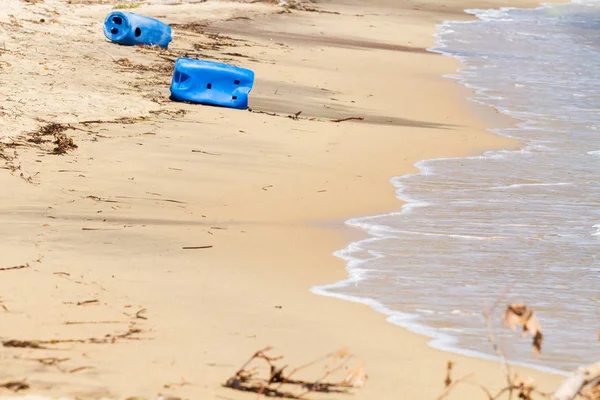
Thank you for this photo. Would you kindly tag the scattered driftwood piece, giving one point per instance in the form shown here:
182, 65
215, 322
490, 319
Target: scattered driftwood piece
205, 152
42, 344
519, 315
23, 344
139, 315
196, 247
151, 199
15, 268
348, 119
101, 199
585, 381
278, 384
15, 386
79, 369
122, 120
51, 360
86, 302
272, 114
82, 303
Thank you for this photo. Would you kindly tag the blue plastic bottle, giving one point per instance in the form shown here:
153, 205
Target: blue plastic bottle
209, 82
133, 29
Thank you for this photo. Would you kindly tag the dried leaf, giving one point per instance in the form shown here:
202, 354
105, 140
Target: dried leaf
519, 315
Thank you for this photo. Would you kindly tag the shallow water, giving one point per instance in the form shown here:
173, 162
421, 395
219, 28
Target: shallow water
523, 223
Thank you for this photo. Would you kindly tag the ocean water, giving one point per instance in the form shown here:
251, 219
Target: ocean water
519, 225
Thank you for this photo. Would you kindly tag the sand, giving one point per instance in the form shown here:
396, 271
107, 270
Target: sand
102, 232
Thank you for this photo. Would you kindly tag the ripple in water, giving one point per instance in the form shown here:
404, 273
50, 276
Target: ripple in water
528, 218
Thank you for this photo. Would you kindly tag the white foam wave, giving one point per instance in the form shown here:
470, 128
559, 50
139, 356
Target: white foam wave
520, 185
386, 229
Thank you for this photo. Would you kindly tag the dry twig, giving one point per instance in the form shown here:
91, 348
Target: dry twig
15, 268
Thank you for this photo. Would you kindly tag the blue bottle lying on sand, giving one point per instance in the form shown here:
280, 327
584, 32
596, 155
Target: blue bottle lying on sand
209, 82
133, 29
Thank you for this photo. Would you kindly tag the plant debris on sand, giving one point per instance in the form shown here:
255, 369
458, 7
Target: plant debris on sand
63, 143
43, 344
276, 383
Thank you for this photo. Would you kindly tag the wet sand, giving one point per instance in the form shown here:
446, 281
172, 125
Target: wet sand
107, 233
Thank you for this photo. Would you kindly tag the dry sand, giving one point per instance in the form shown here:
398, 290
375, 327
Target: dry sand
101, 230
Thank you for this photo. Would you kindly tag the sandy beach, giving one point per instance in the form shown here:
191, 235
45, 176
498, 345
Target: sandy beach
177, 239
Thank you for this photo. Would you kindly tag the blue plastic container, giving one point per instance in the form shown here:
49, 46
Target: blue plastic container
209, 82
133, 29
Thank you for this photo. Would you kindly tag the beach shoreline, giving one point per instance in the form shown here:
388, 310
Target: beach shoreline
108, 222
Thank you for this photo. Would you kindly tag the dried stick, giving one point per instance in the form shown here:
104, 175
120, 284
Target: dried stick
347, 119
14, 268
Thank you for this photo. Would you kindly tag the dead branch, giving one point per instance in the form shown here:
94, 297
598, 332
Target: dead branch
584, 379
277, 384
